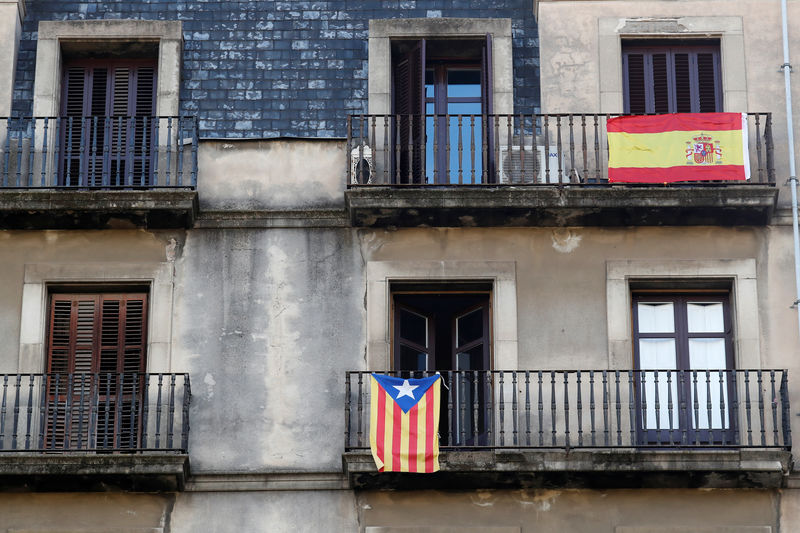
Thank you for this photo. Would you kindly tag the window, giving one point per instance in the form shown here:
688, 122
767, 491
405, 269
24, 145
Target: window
677, 337
449, 332
96, 355
442, 94
676, 77
107, 132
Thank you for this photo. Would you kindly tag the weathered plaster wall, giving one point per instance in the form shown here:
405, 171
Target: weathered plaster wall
277, 174
267, 512
86, 513
616, 511
574, 49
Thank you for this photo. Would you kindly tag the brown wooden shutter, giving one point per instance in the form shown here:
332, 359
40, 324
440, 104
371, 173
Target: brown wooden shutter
635, 87
96, 355
409, 87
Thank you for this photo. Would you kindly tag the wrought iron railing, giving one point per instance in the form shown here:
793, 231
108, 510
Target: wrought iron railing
521, 149
100, 152
563, 409
94, 412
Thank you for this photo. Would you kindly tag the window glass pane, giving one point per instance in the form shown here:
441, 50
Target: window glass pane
656, 317
411, 359
705, 317
463, 83
413, 327
469, 327
656, 353
471, 359
429, 83
709, 354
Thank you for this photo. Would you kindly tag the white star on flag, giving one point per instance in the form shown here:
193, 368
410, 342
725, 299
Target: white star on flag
405, 389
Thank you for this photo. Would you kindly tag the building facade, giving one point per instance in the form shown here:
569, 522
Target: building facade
217, 218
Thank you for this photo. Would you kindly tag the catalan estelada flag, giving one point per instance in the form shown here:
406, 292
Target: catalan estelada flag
404, 423
678, 147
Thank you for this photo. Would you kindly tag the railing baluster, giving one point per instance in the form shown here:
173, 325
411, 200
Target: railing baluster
187, 399
475, 408
145, 159
502, 412
31, 151
7, 153
787, 424
347, 391
546, 148
29, 418
631, 405
44, 151
514, 408
146, 409
20, 150
411, 149
158, 411
462, 434
83, 164
709, 408
54, 421
81, 399
757, 120
385, 149
509, 148
553, 405
42, 412
619, 408
560, 151
735, 404
584, 154
117, 442
460, 152
722, 409
119, 153
670, 408
759, 377
171, 420
472, 149
488, 388
93, 157
527, 408
134, 410
57, 150
747, 407
541, 410
450, 388
360, 407
684, 414
606, 434
522, 148
3, 412
169, 152
180, 151
497, 162
774, 403
592, 408
566, 410
657, 403
597, 170
68, 415
572, 173
696, 409
643, 410
68, 162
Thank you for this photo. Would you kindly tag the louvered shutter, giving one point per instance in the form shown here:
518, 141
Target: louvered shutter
676, 79
96, 357
109, 138
409, 88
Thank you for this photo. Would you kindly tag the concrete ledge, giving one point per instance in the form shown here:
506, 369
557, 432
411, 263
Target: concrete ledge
236, 482
305, 218
93, 472
602, 205
97, 209
585, 468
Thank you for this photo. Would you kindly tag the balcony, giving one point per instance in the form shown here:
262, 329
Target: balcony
594, 428
86, 431
530, 170
97, 172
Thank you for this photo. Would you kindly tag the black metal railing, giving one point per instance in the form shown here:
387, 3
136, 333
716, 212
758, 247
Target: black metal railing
521, 149
102, 152
94, 412
563, 409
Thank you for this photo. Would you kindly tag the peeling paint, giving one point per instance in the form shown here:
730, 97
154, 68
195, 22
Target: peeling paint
210, 383
565, 241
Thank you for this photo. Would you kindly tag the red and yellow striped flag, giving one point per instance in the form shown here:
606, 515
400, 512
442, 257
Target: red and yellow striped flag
678, 147
404, 423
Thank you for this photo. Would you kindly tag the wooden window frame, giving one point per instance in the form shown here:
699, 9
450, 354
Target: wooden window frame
680, 299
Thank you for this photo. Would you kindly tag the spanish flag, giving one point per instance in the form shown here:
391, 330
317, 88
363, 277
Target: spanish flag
678, 147
404, 423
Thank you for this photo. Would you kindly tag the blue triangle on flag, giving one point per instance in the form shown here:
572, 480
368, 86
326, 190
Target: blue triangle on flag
405, 392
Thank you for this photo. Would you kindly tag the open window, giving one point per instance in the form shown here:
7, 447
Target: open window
671, 76
442, 96
96, 357
448, 331
683, 350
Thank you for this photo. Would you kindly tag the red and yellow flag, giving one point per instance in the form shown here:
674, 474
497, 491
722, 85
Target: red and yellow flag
404, 423
678, 147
